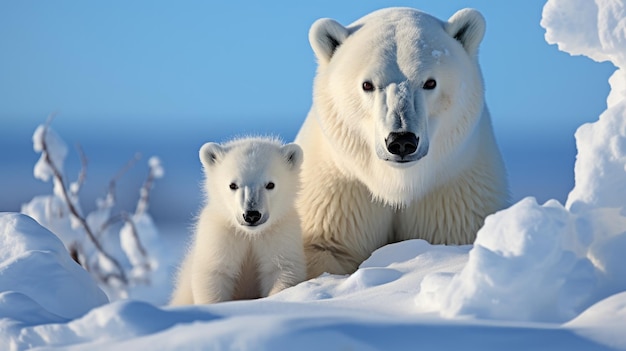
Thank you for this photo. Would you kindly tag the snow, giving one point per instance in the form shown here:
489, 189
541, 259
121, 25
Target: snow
539, 276
523, 250
155, 165
372, 309
36, 272
57, 150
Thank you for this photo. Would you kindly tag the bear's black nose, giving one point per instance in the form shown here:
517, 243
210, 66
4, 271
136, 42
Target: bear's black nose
402, 144
251, 217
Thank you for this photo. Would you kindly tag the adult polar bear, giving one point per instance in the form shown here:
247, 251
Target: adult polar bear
398, 143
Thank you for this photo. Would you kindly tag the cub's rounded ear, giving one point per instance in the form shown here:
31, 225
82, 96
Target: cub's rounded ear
211, 153
293, 154
468, 27
325, 36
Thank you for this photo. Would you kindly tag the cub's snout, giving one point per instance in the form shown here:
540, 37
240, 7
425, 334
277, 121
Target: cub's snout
252, 217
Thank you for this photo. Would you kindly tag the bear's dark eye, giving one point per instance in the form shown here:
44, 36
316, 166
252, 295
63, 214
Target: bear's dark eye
270, 186
430, 84
233, 186
368, 86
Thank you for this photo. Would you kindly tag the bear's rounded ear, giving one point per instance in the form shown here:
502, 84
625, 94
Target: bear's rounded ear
211, 153
293, 154
468, 27
325, 36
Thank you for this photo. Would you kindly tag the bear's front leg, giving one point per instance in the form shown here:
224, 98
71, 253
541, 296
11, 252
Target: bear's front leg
182, 294
281, 265
322, 258
216, 269
280, 279
214, 286
342, 227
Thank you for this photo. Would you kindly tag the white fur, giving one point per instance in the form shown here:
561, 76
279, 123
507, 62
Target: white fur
230, 259
356, 195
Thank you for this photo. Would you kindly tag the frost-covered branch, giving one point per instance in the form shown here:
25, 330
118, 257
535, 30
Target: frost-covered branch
58, 177
113, 182
120, 250
156, 172
82, 175
126, 218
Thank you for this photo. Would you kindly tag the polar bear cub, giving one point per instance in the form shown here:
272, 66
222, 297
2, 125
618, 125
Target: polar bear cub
247, 240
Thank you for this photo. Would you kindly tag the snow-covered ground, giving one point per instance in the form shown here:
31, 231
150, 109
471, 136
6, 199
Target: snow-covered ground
538, 277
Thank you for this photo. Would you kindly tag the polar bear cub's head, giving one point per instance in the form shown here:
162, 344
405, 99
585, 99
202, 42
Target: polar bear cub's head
252, 182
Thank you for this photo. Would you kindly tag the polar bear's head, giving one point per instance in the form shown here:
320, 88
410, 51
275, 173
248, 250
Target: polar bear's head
252, 181
397, 94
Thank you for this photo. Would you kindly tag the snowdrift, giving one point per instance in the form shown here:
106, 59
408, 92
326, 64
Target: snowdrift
37, 272
373, 309
538, 276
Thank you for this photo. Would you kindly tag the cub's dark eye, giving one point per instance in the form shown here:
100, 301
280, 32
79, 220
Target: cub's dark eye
430, 84
368, 86
233, 186
270, 186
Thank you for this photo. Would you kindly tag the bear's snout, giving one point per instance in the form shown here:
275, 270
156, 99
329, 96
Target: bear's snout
252, 217
401, 143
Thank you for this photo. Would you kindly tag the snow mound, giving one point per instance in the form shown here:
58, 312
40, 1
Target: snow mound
604, 322
596, 30
593, 29
387, 282
38, 275
526, 265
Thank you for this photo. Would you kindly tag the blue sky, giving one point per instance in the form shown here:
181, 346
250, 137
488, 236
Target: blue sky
164, 77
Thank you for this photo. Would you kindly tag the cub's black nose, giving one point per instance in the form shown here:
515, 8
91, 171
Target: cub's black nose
251, 217
402, 144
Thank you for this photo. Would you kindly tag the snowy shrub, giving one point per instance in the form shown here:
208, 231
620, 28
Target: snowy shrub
110, 246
